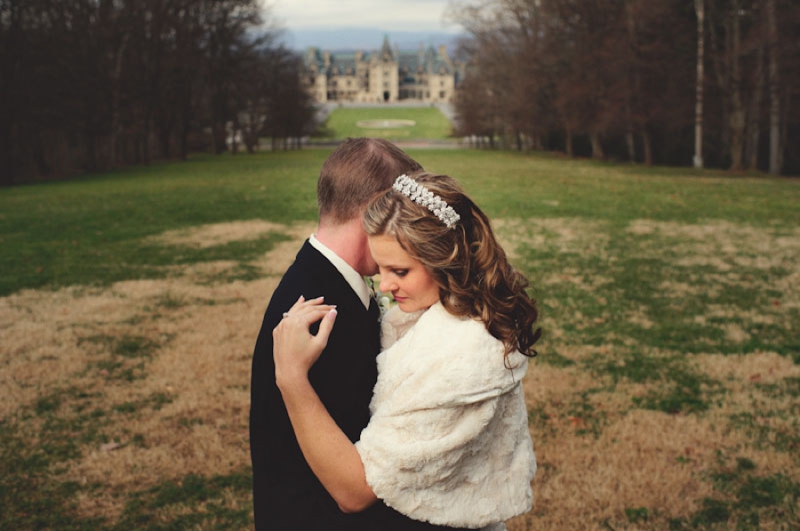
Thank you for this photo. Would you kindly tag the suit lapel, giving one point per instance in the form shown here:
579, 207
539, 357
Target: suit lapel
373, 312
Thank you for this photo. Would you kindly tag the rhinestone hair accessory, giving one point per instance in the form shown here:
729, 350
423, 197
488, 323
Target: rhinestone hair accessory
422, 196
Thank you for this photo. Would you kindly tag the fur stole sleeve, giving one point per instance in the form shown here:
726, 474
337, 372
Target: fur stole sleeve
448, 440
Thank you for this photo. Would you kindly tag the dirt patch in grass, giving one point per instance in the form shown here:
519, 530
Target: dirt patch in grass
730, 237
564, 235
762, 385
744, 245
512, 232
639, 318
755, 315
546, 384
763, 367
576, 278
679, 290
734, 333
218, 233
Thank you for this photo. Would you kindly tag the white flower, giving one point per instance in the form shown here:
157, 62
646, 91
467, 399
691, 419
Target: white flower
384, 303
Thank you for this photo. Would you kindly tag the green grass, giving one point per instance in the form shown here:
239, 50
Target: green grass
146, 509
743, 492
91, 230
430, 123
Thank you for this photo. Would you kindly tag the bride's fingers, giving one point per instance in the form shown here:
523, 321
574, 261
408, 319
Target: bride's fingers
298, 303
325, 328
305, 317
299, 321
313, 306
303, 303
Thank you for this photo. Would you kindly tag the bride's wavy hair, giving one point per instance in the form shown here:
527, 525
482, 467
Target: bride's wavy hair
470, 267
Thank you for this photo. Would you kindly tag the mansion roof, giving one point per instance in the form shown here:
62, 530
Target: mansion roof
422, 61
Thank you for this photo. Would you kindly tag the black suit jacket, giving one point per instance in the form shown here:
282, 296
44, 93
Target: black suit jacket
286, 493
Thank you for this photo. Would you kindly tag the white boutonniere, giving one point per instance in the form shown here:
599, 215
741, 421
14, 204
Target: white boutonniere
383, 301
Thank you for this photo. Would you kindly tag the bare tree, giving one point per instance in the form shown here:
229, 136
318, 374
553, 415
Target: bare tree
92, 84
628, 79
775, 148
699, 6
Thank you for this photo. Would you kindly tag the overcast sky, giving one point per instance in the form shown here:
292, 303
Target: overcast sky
402, 15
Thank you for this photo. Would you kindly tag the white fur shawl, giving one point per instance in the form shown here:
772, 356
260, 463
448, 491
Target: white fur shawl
448, 440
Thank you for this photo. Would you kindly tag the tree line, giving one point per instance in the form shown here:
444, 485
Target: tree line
704, 82
88, 85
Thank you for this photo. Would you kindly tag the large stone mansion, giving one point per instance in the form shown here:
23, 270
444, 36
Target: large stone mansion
388, 75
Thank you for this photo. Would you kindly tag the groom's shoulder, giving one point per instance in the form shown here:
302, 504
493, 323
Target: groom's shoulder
310, 267
311, 275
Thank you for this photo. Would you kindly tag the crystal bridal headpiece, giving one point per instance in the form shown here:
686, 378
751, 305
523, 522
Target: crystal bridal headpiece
422, 196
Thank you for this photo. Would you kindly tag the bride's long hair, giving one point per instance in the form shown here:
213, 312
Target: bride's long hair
470, 267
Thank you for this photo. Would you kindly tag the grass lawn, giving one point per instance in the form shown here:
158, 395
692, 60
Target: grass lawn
429, 123
666, 394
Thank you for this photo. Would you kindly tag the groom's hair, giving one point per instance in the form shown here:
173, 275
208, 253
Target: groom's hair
356, 171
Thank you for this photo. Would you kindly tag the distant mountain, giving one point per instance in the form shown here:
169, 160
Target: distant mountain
350, 39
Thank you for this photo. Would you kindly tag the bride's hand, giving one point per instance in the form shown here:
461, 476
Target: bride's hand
295, 349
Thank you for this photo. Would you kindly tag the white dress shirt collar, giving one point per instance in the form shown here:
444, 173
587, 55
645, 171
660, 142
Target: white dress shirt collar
352, 276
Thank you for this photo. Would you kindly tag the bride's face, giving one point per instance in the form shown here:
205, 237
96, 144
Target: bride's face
402, 275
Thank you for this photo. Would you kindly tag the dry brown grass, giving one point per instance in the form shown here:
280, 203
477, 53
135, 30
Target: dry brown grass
732, 249
590, 474
569, 235
640, 458
218, 233
203, 334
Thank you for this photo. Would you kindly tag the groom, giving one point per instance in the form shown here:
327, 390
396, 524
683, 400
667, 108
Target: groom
331, 263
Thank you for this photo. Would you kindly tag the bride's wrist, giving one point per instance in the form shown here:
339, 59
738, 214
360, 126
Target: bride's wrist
290, 379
